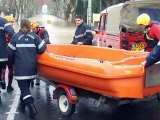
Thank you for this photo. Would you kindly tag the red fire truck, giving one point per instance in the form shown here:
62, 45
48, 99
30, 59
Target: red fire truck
117, 25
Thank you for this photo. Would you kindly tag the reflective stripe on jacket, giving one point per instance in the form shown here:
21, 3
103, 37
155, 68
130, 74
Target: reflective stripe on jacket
5, 27
22, 52
83, 34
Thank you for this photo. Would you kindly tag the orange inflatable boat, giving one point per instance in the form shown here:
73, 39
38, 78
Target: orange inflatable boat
111, 72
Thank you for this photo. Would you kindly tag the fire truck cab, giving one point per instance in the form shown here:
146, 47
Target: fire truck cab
117, 25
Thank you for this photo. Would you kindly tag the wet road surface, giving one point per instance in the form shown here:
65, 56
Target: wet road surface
85, 110
61, 32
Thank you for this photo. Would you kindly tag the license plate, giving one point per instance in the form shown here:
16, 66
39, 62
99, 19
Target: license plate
137, 46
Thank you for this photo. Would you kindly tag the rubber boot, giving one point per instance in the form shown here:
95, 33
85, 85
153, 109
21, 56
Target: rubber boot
32, 109
10, 79
37, 81
3, 84
2, 80
10, 88
0, 96
32, 83
22, 105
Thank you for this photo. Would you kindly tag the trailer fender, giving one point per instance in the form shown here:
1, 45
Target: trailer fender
70, 91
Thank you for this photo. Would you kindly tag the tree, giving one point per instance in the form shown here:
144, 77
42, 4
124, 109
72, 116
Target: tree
61, 8
95, 6
81, 7
19, 8
23, 8
64, 8
73, 5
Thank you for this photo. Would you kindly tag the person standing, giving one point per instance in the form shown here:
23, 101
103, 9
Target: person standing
11, 20
5, 27
152, 36
40, 31
22, 53
83, 34
43, 34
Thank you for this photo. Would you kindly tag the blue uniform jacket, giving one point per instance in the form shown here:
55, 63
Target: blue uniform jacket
153, 56
22, 52
43, 34
83, 34
5, 27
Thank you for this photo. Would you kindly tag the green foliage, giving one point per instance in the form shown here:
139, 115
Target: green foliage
95, 6
82, 8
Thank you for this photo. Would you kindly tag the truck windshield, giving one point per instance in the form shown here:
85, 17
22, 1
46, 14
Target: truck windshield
154, 13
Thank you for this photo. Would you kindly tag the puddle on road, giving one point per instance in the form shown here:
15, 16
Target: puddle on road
60, 31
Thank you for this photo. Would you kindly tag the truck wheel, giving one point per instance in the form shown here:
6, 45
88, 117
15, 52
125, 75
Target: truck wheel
66, 108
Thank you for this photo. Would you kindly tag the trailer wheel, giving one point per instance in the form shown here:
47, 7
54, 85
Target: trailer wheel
66, 108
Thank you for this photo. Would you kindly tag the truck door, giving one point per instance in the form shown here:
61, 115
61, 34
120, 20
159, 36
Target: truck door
99, 37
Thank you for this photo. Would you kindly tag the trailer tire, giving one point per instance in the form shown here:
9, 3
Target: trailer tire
65, 107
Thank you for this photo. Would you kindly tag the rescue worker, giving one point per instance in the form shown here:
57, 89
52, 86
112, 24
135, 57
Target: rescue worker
43, 34
83, 34
152, 35
40, 31
11, 20
22, 53
5, 27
